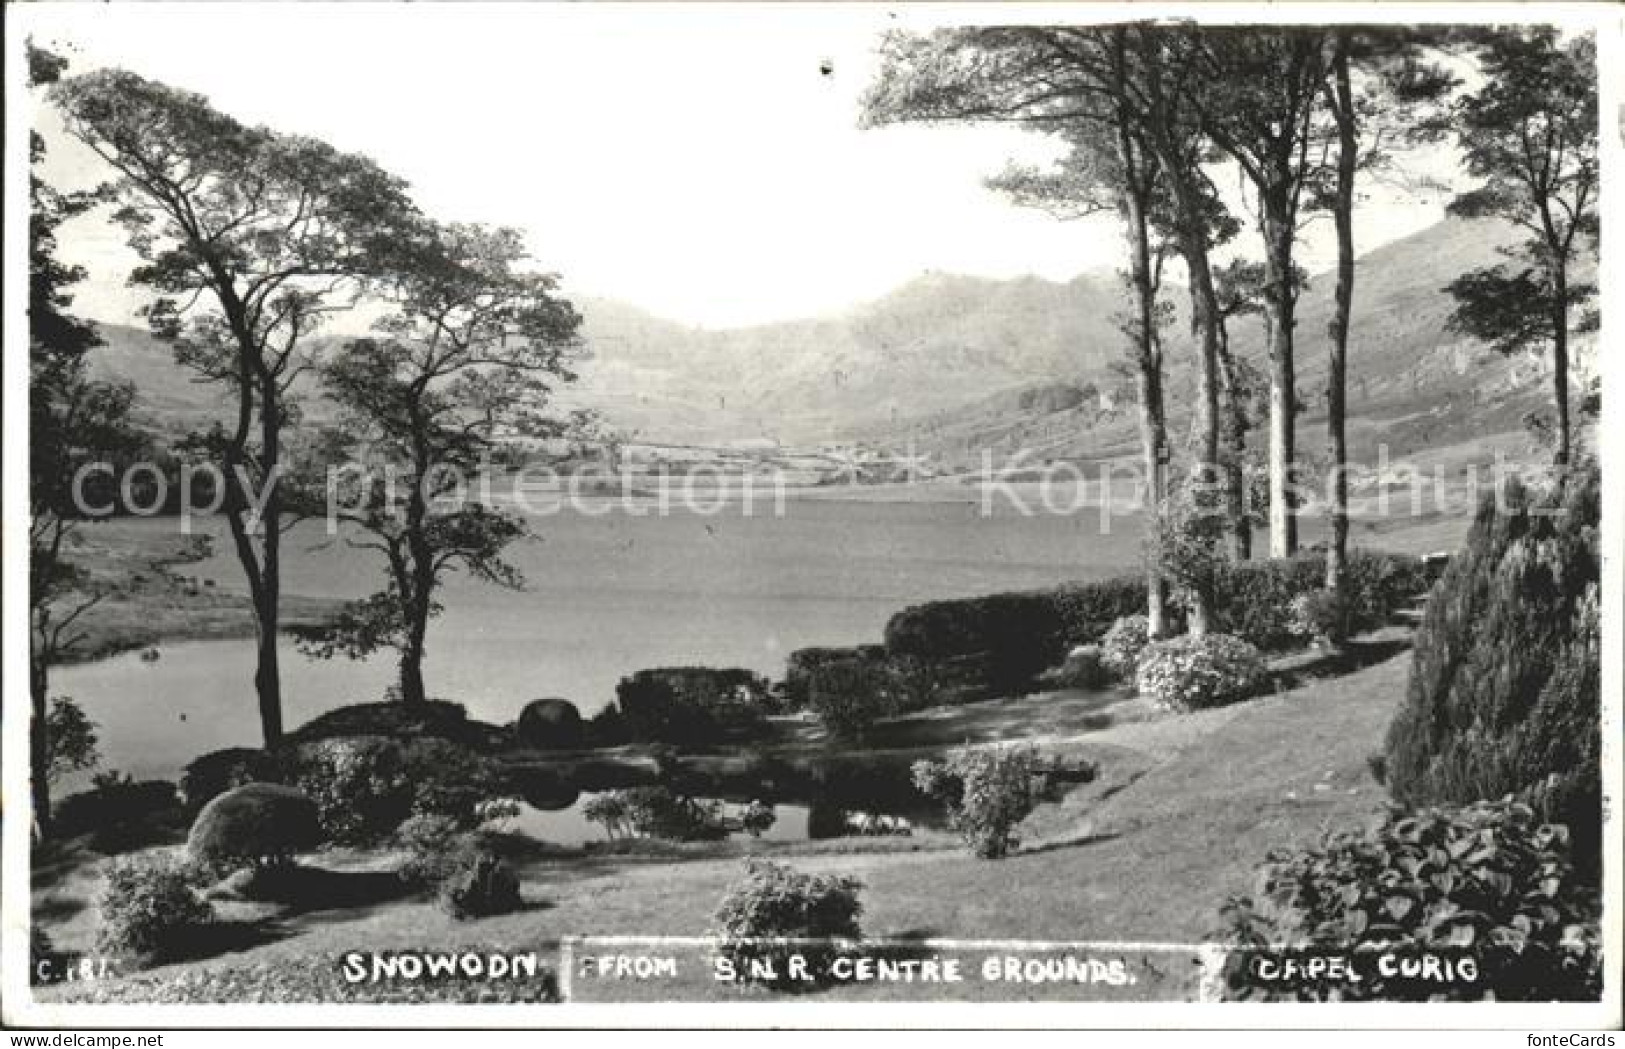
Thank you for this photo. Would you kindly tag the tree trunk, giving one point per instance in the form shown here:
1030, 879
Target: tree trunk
1337, 364
268, 606
1278, 233
413, 693
1204, 472
411, 672
1153, 422
40, 746
1235, 456
1560, 361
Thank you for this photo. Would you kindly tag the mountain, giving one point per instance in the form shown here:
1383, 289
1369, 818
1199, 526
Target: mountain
937, 342
1413, 384
956, 364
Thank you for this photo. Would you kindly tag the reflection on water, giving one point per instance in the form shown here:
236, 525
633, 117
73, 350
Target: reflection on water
567, 826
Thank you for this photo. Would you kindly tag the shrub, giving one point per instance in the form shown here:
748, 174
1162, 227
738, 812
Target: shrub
551, 724
1255, 600
772, 912
431, 843
365, 786
659, 812
257, 824
1081, 670
149, 910
1120, 648
396, 720
1320, 616
987, 792
690, 706
804, 662
850, 695
1489, 879
478, 883
1184, 544
607, 728
218, 771
1505, 687
757, 819
1018, 634
1191, 673
610, 811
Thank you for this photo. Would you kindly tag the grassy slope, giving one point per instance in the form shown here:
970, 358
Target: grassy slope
1187, 808
151, 598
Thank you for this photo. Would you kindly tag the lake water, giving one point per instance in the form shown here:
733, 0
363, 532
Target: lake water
607, 595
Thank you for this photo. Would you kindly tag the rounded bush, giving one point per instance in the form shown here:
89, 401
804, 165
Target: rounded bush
365, 786
1490, 882
772, 912
477, 884
1191, 673
149, 910
1121, 645
1319, 615
254, 825
430, 843
551, 724
987, 791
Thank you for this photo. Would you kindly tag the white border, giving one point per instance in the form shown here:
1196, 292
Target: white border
1606, 20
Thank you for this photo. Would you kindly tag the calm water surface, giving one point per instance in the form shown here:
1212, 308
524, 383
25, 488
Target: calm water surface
606, 595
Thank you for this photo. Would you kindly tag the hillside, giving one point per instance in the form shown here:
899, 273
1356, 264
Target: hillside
1412, 383
958, 364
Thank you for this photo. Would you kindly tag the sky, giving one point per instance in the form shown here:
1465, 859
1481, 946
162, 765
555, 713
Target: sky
704, 165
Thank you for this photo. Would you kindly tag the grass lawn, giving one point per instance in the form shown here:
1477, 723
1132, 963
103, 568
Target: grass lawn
1185, 809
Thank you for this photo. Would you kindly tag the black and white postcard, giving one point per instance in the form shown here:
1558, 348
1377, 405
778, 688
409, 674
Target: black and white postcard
767, 514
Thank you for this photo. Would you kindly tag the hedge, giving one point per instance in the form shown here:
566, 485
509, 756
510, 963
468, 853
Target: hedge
1019, 634
690, 706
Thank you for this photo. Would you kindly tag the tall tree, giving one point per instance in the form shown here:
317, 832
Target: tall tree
1107, 168
1088, 84
1376, 83
250, 238
74, 420
1257, 89
471, 353
1530, 132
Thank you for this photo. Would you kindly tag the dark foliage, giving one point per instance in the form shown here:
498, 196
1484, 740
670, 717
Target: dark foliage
366, 786
1490, 882
257, 824
551, 724
218, 771
478, 883
1020, 634
804, 662
690, 706
115, 805
1505, 687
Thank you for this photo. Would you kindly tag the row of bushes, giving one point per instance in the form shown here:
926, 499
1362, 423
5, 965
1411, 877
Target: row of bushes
1020, 634
362, 787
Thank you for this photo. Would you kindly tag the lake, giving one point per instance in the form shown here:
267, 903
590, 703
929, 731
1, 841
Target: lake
606, 595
